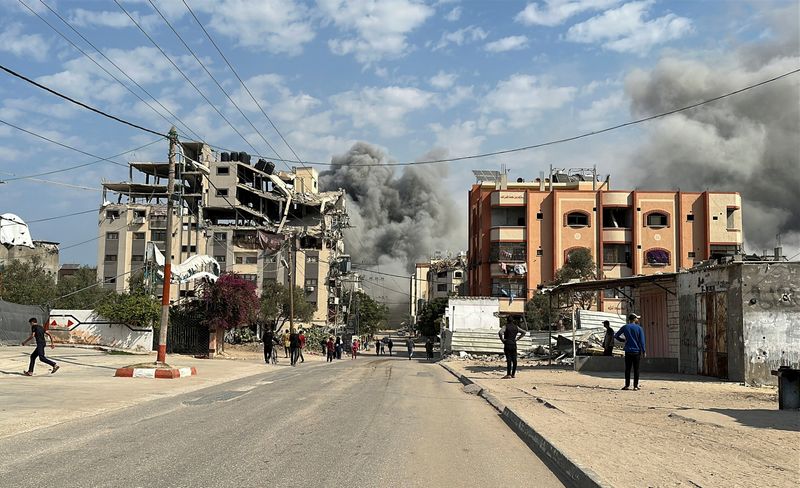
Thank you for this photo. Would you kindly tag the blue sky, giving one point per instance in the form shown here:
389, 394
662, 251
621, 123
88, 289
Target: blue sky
408, 76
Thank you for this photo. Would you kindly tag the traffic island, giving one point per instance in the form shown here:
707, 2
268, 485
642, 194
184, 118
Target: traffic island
154, 370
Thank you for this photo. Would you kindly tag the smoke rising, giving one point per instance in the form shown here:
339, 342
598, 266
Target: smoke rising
747, 143
399, 217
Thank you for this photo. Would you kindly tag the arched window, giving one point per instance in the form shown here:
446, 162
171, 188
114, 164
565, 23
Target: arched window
656, 219
578, 219
656, 257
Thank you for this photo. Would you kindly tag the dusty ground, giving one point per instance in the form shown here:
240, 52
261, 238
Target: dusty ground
676, 431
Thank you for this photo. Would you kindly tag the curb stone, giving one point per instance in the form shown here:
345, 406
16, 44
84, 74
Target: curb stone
568, 469
155, 373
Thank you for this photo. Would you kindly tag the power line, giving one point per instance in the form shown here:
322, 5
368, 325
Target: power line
185, 76
202, 65
62, 216
244, 85
65, 22
99, 160
80, 104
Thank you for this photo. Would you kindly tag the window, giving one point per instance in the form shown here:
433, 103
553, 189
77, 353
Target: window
657, 219
656, 257
220, 236
311, 282
616, 218
441, 274
188, 248
222, 192
223, 170
110, 279
220, 258
112, 236
508, 288
690, 218
577, 219
731, 218
617, 254
250, 259
249, 277
508, 217
539, 216
691, 254
137, 258
441, 287
112, 214
507, 251
138, 236
724, 250
616, 292
110, 258
158, 221
457, 274
158, 235
139, 214
312, 259
539, 252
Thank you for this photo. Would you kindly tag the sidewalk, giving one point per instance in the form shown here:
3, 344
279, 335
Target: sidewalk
676, 431
85, 385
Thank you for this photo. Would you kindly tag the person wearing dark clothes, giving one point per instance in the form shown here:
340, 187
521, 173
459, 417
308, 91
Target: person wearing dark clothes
410, 347
268, 338
294, 347
324, 344
429, 348
390, 345
634, 349
608, 339
377, 347
510, 334
339, 346
38, 332
330, 347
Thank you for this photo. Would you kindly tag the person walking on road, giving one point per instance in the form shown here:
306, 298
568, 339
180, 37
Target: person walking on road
390, 345
339, 347
330, 347
608, 339
509, 335
302, 345
268, 338
377, 347
429, 349
286, 343
294, 347
410, 347
354, 349
38, 332
383, 346
634, 349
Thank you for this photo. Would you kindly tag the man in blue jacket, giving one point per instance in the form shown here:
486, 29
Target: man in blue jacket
634, 349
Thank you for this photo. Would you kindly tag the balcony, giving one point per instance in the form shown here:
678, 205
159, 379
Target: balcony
507, 234
617, 235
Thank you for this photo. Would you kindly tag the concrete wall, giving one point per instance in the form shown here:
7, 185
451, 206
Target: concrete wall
85, 327
473, 314
771, 315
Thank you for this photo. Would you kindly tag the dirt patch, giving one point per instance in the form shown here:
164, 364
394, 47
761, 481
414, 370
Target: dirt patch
676, 431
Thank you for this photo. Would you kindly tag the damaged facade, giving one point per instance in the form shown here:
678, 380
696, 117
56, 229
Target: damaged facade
440, 277
45, 252
238, 213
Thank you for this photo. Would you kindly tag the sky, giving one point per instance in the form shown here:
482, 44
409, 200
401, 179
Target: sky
412, 78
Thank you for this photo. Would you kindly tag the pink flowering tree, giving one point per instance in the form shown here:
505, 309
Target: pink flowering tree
231, 302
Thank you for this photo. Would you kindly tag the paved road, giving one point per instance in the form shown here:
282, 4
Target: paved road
380, 422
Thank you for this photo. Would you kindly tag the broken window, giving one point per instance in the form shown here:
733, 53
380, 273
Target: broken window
457, 274
656, 257
731, 217
223, 170
617, 254
508, 288
723, 250
616, 217
112, 214
222, 192
577, 219
657, 219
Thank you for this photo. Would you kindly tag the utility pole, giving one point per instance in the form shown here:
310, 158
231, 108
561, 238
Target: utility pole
162, 335
292, 281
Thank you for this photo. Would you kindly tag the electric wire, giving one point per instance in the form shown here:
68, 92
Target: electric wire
235, 73
62, 216
79, 103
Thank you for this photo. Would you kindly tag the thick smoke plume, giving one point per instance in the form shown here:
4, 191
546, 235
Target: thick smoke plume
748, 143
399, 217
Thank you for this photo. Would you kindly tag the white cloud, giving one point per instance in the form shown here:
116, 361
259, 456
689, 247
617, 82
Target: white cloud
14, 41
443, 80
625, 29
382, 108
459, 139
453, 15
602, 111
511, 43
380, 27
554, 12
522, 98
461, 37
455, 96
115, 20
276, 26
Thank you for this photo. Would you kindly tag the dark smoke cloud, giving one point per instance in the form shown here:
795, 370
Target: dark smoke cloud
399, 217
748, 143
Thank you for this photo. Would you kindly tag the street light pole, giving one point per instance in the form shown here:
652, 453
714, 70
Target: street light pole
162, 335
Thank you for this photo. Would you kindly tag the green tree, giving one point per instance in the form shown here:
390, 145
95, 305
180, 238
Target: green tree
81, 291
275, 305
579, 266
429, 322
136, 310
370, 315
27, 283
538, 312
231, 302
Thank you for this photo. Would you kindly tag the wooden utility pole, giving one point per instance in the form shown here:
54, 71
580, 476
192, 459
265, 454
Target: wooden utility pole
292, 281
162, 335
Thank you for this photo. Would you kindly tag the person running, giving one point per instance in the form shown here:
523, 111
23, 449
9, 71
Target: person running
429, 348
268, 338
286, 343
302, 345
377, 347
410, 347
390, 345
330, 347
294, 347
38, 332
509, 335
608, 339
634, 349
354, 349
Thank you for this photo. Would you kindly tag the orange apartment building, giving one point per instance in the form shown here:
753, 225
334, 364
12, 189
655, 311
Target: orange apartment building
539, 223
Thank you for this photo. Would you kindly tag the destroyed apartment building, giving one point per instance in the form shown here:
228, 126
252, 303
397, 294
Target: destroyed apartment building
441, 276
235, 210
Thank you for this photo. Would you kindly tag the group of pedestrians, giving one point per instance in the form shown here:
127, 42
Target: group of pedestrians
334, 348
382, 344
293, 342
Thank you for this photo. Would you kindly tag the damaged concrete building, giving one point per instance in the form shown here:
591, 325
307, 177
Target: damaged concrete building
239, 213
439, 277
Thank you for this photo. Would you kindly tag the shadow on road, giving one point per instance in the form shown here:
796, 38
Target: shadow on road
763, 419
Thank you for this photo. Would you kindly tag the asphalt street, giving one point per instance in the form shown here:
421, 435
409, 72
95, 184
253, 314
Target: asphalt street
381, 422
